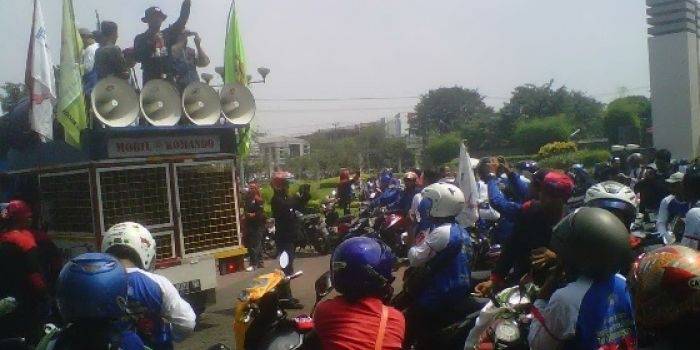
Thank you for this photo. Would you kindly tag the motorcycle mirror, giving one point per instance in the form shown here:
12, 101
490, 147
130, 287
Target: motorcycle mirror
219, 346
284, 260
334, 193
324, 285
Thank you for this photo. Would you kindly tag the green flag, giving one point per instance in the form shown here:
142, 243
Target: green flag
235, 71
71, 101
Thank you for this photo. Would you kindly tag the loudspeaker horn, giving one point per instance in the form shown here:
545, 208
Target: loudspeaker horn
201, 104
114, 102
160, 103
237, 104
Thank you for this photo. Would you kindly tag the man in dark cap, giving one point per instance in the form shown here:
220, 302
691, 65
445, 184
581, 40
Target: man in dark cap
153, 47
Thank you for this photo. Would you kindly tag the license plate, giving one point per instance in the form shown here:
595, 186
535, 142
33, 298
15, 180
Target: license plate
189, 286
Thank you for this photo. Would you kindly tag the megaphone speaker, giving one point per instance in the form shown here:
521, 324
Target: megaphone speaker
114, 102
237, 104
201, 104
160, 103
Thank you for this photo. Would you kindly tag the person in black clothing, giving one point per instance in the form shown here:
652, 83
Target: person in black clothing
344, 189
652, 188
286, 228
255, 224
109, 58
153, 48
527, 246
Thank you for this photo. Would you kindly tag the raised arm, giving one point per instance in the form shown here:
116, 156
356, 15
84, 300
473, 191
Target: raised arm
181, 22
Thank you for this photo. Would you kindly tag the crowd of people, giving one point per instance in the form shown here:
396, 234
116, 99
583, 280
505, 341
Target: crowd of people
108, 300
595, 290
162, 53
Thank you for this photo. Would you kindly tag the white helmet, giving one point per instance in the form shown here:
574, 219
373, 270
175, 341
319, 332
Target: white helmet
615, 197
446, 200
611, 190
134, 236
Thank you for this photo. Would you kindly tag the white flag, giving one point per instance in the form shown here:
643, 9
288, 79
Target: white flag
40, 78
467, 183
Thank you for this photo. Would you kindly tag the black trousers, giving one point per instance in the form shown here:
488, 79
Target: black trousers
254, 244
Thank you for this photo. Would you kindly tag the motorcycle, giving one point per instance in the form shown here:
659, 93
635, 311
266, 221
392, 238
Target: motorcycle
504, 323
392, 228
313, 233
260, 322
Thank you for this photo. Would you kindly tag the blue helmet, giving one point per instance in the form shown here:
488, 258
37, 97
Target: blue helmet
386, 178
92, 286
362, 266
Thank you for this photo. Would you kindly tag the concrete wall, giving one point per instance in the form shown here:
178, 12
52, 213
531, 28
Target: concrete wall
675, 94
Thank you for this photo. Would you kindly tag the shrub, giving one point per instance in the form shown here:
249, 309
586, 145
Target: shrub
532, 134
586, 157
555, 148
329, 183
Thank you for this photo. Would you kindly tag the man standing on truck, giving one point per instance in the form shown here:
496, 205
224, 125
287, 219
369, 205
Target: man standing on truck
154, 46
157, 304
287, 227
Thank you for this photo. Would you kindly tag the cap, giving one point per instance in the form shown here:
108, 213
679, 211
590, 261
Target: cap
17, 210
675, 178
152, 11
558, 184
86, 32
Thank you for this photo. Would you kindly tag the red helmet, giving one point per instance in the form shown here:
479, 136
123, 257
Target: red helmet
280, 179
665, 286
16, 210
344, 174
558, 184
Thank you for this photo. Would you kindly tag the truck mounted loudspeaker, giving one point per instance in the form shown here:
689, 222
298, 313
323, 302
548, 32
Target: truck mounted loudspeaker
114, 103
201, 104
160, 103
237, 104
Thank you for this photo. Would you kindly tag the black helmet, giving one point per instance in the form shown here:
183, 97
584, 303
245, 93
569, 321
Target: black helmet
691, 182
593, 242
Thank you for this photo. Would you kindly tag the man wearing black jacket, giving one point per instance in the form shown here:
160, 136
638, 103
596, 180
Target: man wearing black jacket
287, 226
527, 247
153, 47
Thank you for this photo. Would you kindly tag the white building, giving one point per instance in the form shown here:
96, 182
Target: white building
276, 150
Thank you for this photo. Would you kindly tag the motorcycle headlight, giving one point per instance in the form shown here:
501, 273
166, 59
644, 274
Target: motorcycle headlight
507, 332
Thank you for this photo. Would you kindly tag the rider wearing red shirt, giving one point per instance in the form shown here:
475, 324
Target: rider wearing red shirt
21, 274
361, 270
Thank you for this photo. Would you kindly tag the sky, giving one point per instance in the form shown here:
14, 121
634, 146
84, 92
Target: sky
327, 56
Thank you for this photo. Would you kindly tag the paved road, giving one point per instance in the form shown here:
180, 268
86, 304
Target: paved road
216, 324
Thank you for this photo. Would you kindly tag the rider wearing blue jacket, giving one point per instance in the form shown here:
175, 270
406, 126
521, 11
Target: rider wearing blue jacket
594, 310
443, 252
162, 315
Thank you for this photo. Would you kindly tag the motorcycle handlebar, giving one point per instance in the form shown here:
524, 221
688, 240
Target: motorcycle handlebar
294, 275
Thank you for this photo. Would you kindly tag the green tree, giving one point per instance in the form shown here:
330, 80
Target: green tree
12, 94
447, 109
622, 123
531, 134
482, 132
530, 100
441, 150
641, 107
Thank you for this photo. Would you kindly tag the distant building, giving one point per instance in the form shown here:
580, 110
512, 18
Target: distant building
397, 126
277, 150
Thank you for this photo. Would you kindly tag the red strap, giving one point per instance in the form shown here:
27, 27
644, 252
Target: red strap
379, 343
538, 315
